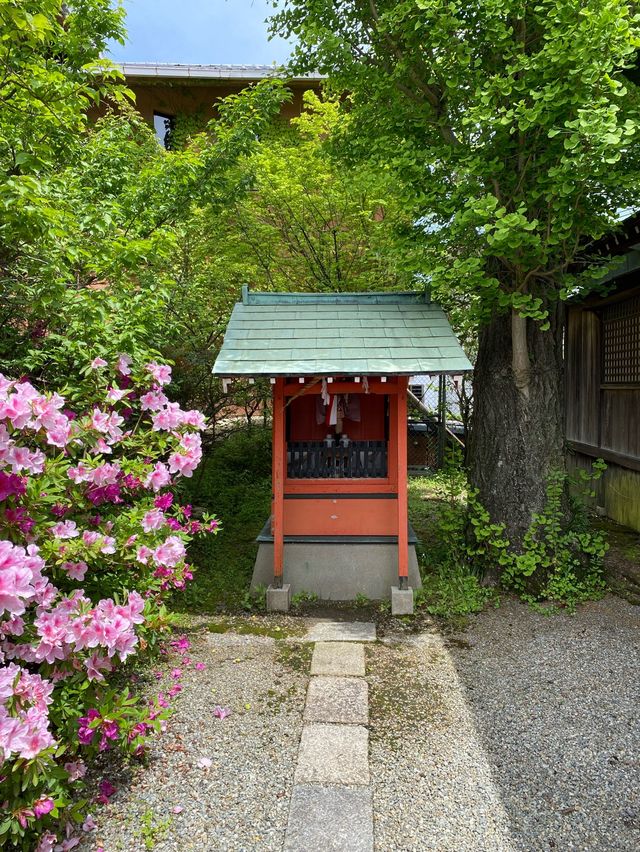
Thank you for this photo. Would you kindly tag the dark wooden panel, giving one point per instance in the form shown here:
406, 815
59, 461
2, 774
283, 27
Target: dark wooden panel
582, 375
621, 421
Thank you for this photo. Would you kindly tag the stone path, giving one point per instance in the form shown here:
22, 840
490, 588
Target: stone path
331, 807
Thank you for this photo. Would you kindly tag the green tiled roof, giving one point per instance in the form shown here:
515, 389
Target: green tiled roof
369, 334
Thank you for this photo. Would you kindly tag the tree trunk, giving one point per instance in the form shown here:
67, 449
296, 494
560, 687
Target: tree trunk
518, 419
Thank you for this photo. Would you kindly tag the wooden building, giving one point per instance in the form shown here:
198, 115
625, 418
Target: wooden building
339, 366
602, 356
165, 91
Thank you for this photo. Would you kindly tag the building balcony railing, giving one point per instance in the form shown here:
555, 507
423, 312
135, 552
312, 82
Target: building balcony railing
355, 460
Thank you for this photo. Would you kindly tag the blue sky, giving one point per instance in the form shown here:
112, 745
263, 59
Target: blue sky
199, 31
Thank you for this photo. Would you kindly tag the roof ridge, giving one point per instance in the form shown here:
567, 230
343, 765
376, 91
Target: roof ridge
252, 297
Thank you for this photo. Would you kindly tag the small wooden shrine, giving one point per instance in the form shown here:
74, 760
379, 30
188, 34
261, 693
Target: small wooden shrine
339, 366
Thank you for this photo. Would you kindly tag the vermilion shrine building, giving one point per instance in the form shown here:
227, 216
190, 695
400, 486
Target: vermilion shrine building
339, 365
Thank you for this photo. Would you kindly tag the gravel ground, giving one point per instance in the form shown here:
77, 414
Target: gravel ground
520, 734
556, 702
431, 778
241, 802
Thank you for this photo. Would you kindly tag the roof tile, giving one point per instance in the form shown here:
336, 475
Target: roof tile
335, 333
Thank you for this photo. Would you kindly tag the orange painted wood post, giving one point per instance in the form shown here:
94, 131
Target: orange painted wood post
403, 520
277, 474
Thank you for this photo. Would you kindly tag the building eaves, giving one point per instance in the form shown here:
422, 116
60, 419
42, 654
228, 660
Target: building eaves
178, 71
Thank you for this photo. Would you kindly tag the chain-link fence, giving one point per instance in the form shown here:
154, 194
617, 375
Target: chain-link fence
439, 414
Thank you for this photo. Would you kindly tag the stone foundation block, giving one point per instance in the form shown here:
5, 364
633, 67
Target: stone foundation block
401, 601
279, 600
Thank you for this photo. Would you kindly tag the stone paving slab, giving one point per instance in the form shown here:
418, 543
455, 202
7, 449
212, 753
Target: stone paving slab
333, 754
330, 819
342, 631
339, 700
344, 659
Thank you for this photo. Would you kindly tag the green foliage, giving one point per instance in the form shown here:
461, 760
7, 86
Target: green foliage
255, 600
310, 223
52, 74
183, 128
559, 562
451, 590
511, 126
235, 477
437, 509
152, 831
301, 598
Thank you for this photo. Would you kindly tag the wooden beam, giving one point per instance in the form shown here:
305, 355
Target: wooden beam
278, 475
403, 518
375, 386
621, 459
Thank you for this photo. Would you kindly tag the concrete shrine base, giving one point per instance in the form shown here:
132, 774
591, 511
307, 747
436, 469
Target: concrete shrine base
337, 570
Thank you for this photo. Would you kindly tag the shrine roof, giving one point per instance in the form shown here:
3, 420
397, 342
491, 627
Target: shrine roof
369, 334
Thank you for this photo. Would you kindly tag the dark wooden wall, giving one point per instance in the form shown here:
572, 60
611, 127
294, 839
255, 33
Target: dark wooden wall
603, 417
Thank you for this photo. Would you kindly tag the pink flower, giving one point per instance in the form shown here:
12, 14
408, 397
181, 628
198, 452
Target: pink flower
174, 690
10, 484
76, 769
221, 712
107, 790
205, 763
75, 570
180, 644
195, 419
89, 824
176, 674
108, 544
170, 552
163, 501
177, 809
143, 554
123, 365
168, 419
153, 401
153, 520
65, 529
19, 576
81, 473
158, 478
200, 666
160, 372
105, 474
99, 420
47, 842
115, 394
42, 806
98, 362
95, 665
86, 730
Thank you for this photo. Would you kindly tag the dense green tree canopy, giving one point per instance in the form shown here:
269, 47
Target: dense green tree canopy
512, 121
515, 128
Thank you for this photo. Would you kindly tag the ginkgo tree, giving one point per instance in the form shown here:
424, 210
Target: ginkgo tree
514, 126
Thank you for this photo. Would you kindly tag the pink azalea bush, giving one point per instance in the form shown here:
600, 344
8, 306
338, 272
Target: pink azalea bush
91, 540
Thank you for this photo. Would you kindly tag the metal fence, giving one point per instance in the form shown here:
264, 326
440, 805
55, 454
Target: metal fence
440, 423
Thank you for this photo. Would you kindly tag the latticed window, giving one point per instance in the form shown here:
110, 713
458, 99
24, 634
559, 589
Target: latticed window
621, 342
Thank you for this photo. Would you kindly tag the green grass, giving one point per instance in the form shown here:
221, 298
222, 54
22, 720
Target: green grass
450, 588
234, 481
